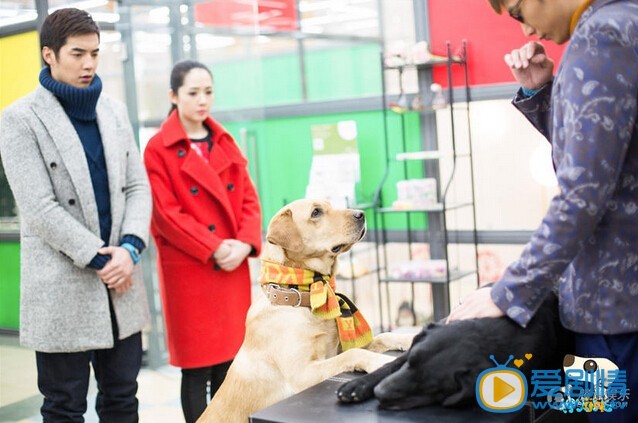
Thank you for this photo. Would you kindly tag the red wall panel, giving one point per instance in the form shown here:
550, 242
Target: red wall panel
489, 37
280, 15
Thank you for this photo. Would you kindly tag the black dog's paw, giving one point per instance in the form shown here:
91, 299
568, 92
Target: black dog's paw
356, 390
362, 388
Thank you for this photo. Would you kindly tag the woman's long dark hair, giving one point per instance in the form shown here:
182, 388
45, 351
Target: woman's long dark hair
179, 72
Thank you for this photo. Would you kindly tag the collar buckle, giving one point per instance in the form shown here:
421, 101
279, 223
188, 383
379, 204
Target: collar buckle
298, 296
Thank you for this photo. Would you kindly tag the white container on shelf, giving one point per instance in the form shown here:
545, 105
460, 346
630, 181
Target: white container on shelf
416, 193
419, 269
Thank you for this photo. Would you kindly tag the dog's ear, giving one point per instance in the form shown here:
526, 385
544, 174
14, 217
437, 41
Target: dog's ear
283, 232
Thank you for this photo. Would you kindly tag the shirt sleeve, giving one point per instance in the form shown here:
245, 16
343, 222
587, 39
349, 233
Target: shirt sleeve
537, 108
134, 241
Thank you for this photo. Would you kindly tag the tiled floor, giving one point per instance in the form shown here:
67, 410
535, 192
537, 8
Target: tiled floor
20, 399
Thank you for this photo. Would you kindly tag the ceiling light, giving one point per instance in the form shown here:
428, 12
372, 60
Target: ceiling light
209, 41
106, 17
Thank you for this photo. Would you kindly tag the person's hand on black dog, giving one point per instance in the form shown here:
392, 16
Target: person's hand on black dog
477, 305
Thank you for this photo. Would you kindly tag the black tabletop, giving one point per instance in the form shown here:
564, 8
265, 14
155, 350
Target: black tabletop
319, 403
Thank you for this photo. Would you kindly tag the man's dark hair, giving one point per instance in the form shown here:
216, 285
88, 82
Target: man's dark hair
65, 23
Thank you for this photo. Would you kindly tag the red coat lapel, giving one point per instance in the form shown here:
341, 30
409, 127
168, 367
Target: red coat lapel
225, 153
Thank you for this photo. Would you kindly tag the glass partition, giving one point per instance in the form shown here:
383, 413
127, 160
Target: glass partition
14, 12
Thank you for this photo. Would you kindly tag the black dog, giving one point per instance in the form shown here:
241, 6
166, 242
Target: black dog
444, 361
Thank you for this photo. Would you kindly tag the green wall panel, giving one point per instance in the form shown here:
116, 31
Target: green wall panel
282, 80
9, 285
343, 73
331, 74
257, 83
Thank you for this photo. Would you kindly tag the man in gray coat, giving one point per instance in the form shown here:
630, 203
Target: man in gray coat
72, 163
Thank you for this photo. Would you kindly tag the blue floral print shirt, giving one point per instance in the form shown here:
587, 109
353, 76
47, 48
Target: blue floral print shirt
587, 244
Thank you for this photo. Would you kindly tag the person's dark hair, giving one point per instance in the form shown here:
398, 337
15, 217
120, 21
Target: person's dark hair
65, 23
179, 72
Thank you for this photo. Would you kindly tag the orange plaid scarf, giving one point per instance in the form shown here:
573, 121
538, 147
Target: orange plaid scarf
354, 331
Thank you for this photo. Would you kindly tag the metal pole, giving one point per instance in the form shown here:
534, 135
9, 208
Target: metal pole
156, 352
192, 36
177, 34
124, 26
42, 8
436, 221
301, 52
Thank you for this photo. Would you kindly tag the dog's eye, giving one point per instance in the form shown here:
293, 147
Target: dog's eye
337, 248
315, 213
590, 366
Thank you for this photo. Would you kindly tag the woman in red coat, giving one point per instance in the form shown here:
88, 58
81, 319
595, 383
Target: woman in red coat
206, 222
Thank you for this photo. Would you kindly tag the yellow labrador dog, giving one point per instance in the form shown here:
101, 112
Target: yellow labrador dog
287, 348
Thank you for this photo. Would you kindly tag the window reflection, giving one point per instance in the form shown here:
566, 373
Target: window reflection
13, 12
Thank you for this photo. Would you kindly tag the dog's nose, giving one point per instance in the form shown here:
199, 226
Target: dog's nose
358, 214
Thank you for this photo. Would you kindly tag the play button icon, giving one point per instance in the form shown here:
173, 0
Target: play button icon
501, 390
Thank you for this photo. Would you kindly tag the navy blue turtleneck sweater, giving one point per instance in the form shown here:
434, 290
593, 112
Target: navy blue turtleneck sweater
79, 105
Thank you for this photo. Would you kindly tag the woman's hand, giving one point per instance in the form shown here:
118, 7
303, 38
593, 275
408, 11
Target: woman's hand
238, 253
222, 251
476, 305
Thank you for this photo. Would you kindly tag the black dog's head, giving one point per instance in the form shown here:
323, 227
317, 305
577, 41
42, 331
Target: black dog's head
445, 360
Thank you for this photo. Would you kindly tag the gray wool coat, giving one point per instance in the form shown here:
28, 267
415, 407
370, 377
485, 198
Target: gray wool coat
64, 304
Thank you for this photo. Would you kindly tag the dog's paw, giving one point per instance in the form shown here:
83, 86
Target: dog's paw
378, 345
388, 341
374, 362
356, 390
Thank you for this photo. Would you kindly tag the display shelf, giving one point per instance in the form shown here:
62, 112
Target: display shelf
454, 275
430, 64
356, 250
370, 272
430, 158
352, 259
427, 155
435, 208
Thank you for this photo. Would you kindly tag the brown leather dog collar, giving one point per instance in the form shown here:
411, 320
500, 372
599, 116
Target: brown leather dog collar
286, 296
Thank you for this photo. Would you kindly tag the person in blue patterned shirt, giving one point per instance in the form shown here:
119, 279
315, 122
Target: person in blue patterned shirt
586, 247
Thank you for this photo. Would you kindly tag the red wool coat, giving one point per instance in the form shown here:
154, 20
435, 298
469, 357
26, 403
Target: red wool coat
196, 205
